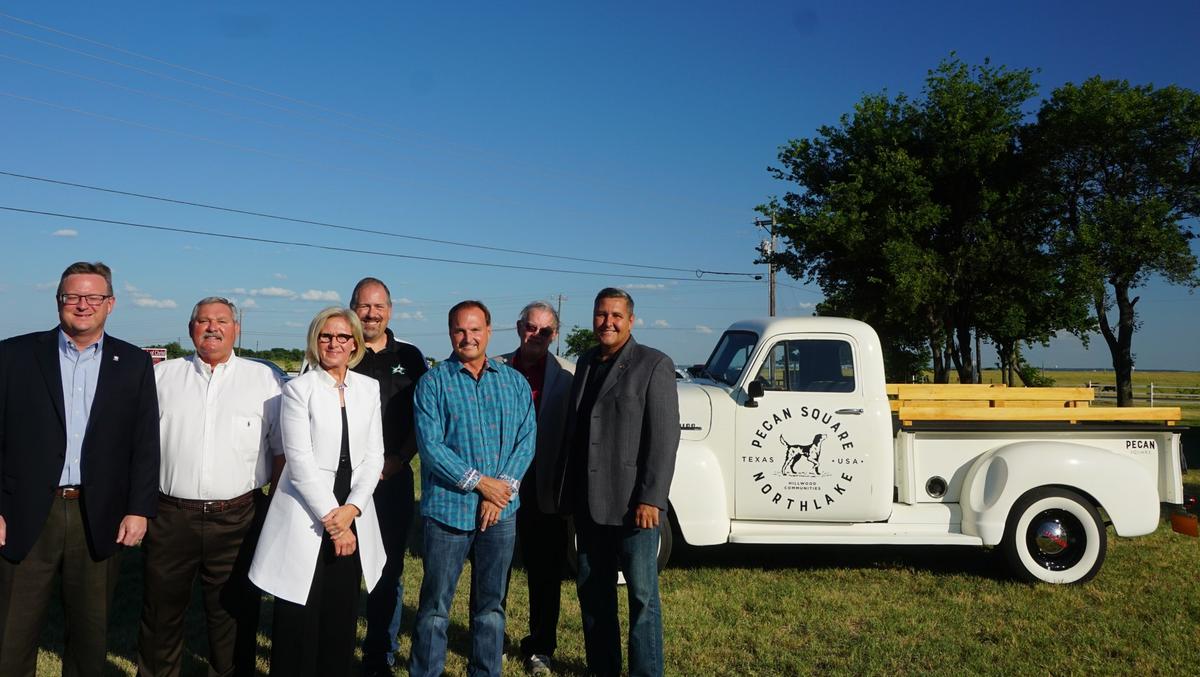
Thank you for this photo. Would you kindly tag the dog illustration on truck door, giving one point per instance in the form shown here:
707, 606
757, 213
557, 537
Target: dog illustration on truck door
795, 452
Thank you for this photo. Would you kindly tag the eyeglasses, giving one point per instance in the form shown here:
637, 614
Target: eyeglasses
328, 338
544, 332
92, 299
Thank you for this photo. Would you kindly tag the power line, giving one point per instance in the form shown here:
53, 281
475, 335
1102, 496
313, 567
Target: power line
145, 71
360, 229
348, 250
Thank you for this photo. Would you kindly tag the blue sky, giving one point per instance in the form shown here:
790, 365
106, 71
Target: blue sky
633, 133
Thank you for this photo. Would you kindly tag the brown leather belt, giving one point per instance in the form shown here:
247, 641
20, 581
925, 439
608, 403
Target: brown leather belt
208, 506
70, 493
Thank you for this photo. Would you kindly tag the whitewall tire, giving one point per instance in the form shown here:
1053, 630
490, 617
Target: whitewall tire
1054, 535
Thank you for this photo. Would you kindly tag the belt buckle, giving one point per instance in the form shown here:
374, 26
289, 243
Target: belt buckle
208, 506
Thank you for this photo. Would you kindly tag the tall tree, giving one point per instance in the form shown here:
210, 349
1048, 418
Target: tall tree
1124, 165
578, 341
902, 203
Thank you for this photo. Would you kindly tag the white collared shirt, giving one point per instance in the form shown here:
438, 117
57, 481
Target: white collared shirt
219, 427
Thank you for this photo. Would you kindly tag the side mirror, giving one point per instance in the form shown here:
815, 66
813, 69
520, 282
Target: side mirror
754, 391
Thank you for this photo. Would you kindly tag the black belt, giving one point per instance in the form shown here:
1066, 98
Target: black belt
70, 493
208, 506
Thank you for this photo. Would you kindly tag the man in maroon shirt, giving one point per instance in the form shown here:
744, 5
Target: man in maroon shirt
541, 531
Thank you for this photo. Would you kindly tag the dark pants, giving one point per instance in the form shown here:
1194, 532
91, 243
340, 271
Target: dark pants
394, 506
317, 638
87, 592
218, 546
543, 541
602, 549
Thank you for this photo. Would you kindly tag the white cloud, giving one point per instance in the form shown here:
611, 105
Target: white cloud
415, 315
701, 329
247, 303
638, 322
142, 299
402, 301
43, 286
318, 295
661, 324
65, 232
147, 302
278, 292
641, 285
279, 276
294, 325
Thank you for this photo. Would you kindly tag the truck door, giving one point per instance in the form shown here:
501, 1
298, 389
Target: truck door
798, 446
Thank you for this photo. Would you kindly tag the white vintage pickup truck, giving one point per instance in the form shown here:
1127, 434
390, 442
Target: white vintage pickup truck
790, 435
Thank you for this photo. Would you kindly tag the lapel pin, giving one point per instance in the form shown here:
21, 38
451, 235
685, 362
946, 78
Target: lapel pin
116, 358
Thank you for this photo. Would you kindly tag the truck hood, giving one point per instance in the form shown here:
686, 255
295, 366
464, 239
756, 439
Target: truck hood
695, 411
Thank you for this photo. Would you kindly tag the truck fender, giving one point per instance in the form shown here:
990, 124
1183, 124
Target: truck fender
698, 495
1119, 484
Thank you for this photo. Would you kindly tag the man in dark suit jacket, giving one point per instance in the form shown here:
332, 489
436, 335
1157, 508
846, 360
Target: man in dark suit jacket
622, 435
79, 469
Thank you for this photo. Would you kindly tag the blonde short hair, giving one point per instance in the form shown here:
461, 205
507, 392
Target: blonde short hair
312, 354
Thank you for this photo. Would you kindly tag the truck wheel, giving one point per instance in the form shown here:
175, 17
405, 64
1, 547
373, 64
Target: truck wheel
666, 540
1054, 535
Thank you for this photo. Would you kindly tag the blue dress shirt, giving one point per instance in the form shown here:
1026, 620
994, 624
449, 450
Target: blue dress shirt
466, 429
80, 371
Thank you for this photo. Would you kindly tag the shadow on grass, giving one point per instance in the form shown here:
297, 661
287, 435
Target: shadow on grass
125, 620
948, 559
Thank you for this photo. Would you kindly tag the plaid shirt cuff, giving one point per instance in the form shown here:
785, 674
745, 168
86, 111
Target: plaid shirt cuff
470, 479
513, 484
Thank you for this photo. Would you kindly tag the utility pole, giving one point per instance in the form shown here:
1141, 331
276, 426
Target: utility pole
768, 251
239, 321
558, 348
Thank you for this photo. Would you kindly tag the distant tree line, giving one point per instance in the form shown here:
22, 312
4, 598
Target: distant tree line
956, 218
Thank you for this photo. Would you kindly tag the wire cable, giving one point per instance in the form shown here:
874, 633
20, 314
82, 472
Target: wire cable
348, 250
359, 229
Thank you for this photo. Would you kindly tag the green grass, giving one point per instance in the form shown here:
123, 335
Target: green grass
845, 610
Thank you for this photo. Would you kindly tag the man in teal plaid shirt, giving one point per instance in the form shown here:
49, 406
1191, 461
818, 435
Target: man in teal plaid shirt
476, 431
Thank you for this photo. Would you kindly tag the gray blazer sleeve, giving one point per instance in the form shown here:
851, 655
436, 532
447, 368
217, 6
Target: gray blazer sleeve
660, 436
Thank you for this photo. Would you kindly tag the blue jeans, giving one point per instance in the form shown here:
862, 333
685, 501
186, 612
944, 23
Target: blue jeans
446, 549
602, 549
394, 506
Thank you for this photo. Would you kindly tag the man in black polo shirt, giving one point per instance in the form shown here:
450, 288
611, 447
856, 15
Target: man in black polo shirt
397, 366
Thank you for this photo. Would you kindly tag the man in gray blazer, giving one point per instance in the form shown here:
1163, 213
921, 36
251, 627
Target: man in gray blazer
622, 434
541, 530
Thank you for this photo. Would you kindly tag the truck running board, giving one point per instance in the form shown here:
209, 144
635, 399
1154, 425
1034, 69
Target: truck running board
867, 533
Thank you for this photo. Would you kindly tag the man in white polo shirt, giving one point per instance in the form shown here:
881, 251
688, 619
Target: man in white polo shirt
218, 423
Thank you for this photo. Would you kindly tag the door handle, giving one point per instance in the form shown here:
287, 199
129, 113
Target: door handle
854, 412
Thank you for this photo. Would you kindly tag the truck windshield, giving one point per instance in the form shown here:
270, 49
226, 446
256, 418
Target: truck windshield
729, 358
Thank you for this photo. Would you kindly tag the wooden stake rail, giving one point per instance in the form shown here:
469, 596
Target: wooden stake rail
995, 402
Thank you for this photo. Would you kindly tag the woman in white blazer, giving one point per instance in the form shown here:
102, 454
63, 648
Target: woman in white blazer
321, 534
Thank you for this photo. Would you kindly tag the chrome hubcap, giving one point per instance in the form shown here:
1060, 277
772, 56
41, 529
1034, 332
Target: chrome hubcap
1056, 539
